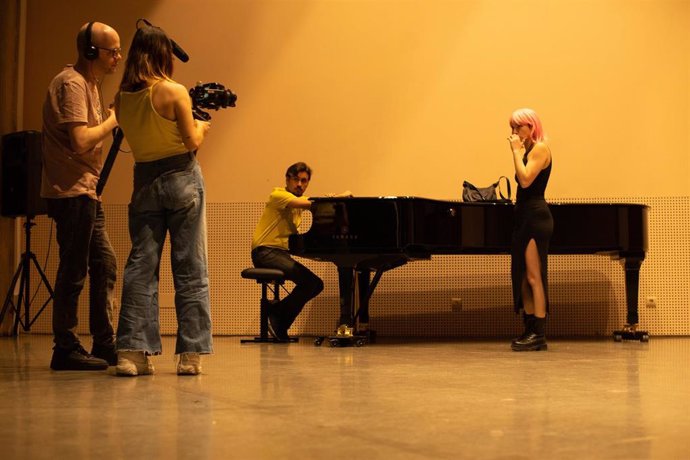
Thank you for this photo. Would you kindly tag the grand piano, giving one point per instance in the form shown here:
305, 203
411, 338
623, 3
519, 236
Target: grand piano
366, 236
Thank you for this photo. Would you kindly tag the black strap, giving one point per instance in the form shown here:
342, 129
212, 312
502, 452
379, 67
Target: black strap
110, 160
498, 187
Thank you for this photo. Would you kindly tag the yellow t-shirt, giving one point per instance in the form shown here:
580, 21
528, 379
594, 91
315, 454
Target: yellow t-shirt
278, 221
150, 136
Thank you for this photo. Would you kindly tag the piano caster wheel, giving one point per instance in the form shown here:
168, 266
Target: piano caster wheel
356, 341
630, 334
318, 341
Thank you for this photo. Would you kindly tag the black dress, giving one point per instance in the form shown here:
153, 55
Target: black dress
532, 220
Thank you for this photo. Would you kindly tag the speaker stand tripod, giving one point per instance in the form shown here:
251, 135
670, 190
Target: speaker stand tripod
23, 275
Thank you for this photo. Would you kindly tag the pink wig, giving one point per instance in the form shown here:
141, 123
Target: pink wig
522, 117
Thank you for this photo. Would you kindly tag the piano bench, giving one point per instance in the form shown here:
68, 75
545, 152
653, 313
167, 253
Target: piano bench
270, 279
264, 275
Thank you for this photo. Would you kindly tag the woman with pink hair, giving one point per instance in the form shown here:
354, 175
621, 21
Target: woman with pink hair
533, 227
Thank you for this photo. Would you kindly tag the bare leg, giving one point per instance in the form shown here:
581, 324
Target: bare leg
534, 280
534, 299
527, 299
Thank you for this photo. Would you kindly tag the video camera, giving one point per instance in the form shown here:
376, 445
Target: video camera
210, 96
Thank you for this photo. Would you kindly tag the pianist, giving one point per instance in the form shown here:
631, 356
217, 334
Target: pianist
281, 218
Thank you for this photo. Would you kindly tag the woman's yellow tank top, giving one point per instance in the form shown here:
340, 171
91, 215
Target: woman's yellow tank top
149, 135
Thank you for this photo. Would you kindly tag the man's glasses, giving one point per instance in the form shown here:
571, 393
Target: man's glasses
114, 52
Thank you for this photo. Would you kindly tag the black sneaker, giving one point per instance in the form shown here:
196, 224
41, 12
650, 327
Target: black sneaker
107, 353
76, 359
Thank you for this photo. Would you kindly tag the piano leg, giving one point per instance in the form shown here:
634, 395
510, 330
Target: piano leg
632, 285
346, 286
364, 291
354, 295
350, 294
363, 282
356, 287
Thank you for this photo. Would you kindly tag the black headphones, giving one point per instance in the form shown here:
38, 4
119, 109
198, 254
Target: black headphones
90, 51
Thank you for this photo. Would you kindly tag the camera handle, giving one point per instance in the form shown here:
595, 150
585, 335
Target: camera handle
110, 160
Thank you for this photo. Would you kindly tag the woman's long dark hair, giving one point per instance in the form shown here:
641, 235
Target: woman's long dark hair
150, 57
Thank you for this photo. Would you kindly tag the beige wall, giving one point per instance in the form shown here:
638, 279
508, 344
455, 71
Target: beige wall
412, 97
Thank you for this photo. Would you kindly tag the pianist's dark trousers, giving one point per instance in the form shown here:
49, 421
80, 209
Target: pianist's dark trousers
307, 284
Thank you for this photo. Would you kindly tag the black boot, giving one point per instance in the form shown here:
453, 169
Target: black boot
535, 340
528, 320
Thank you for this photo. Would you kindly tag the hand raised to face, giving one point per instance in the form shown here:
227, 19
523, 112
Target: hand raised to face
516, 143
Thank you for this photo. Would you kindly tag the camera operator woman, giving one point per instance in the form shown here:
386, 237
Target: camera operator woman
155, 114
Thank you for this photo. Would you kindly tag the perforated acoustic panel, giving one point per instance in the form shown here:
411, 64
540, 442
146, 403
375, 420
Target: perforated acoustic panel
587, 291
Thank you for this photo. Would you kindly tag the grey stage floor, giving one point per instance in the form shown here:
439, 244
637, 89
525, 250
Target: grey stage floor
396, 399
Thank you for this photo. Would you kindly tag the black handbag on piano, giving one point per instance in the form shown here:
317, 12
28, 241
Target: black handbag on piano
471, 193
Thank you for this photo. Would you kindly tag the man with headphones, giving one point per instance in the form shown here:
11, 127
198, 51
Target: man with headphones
75, 124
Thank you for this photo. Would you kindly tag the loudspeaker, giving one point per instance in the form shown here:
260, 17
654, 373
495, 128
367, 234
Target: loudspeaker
21, 174
90, 51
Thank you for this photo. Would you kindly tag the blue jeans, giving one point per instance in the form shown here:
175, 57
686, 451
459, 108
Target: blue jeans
168, 197
84, 246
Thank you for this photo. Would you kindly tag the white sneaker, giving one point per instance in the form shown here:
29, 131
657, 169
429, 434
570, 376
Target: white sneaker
133, 363
189, 364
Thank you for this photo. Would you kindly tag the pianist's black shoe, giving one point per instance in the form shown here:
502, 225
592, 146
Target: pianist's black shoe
276, 327
535, 340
